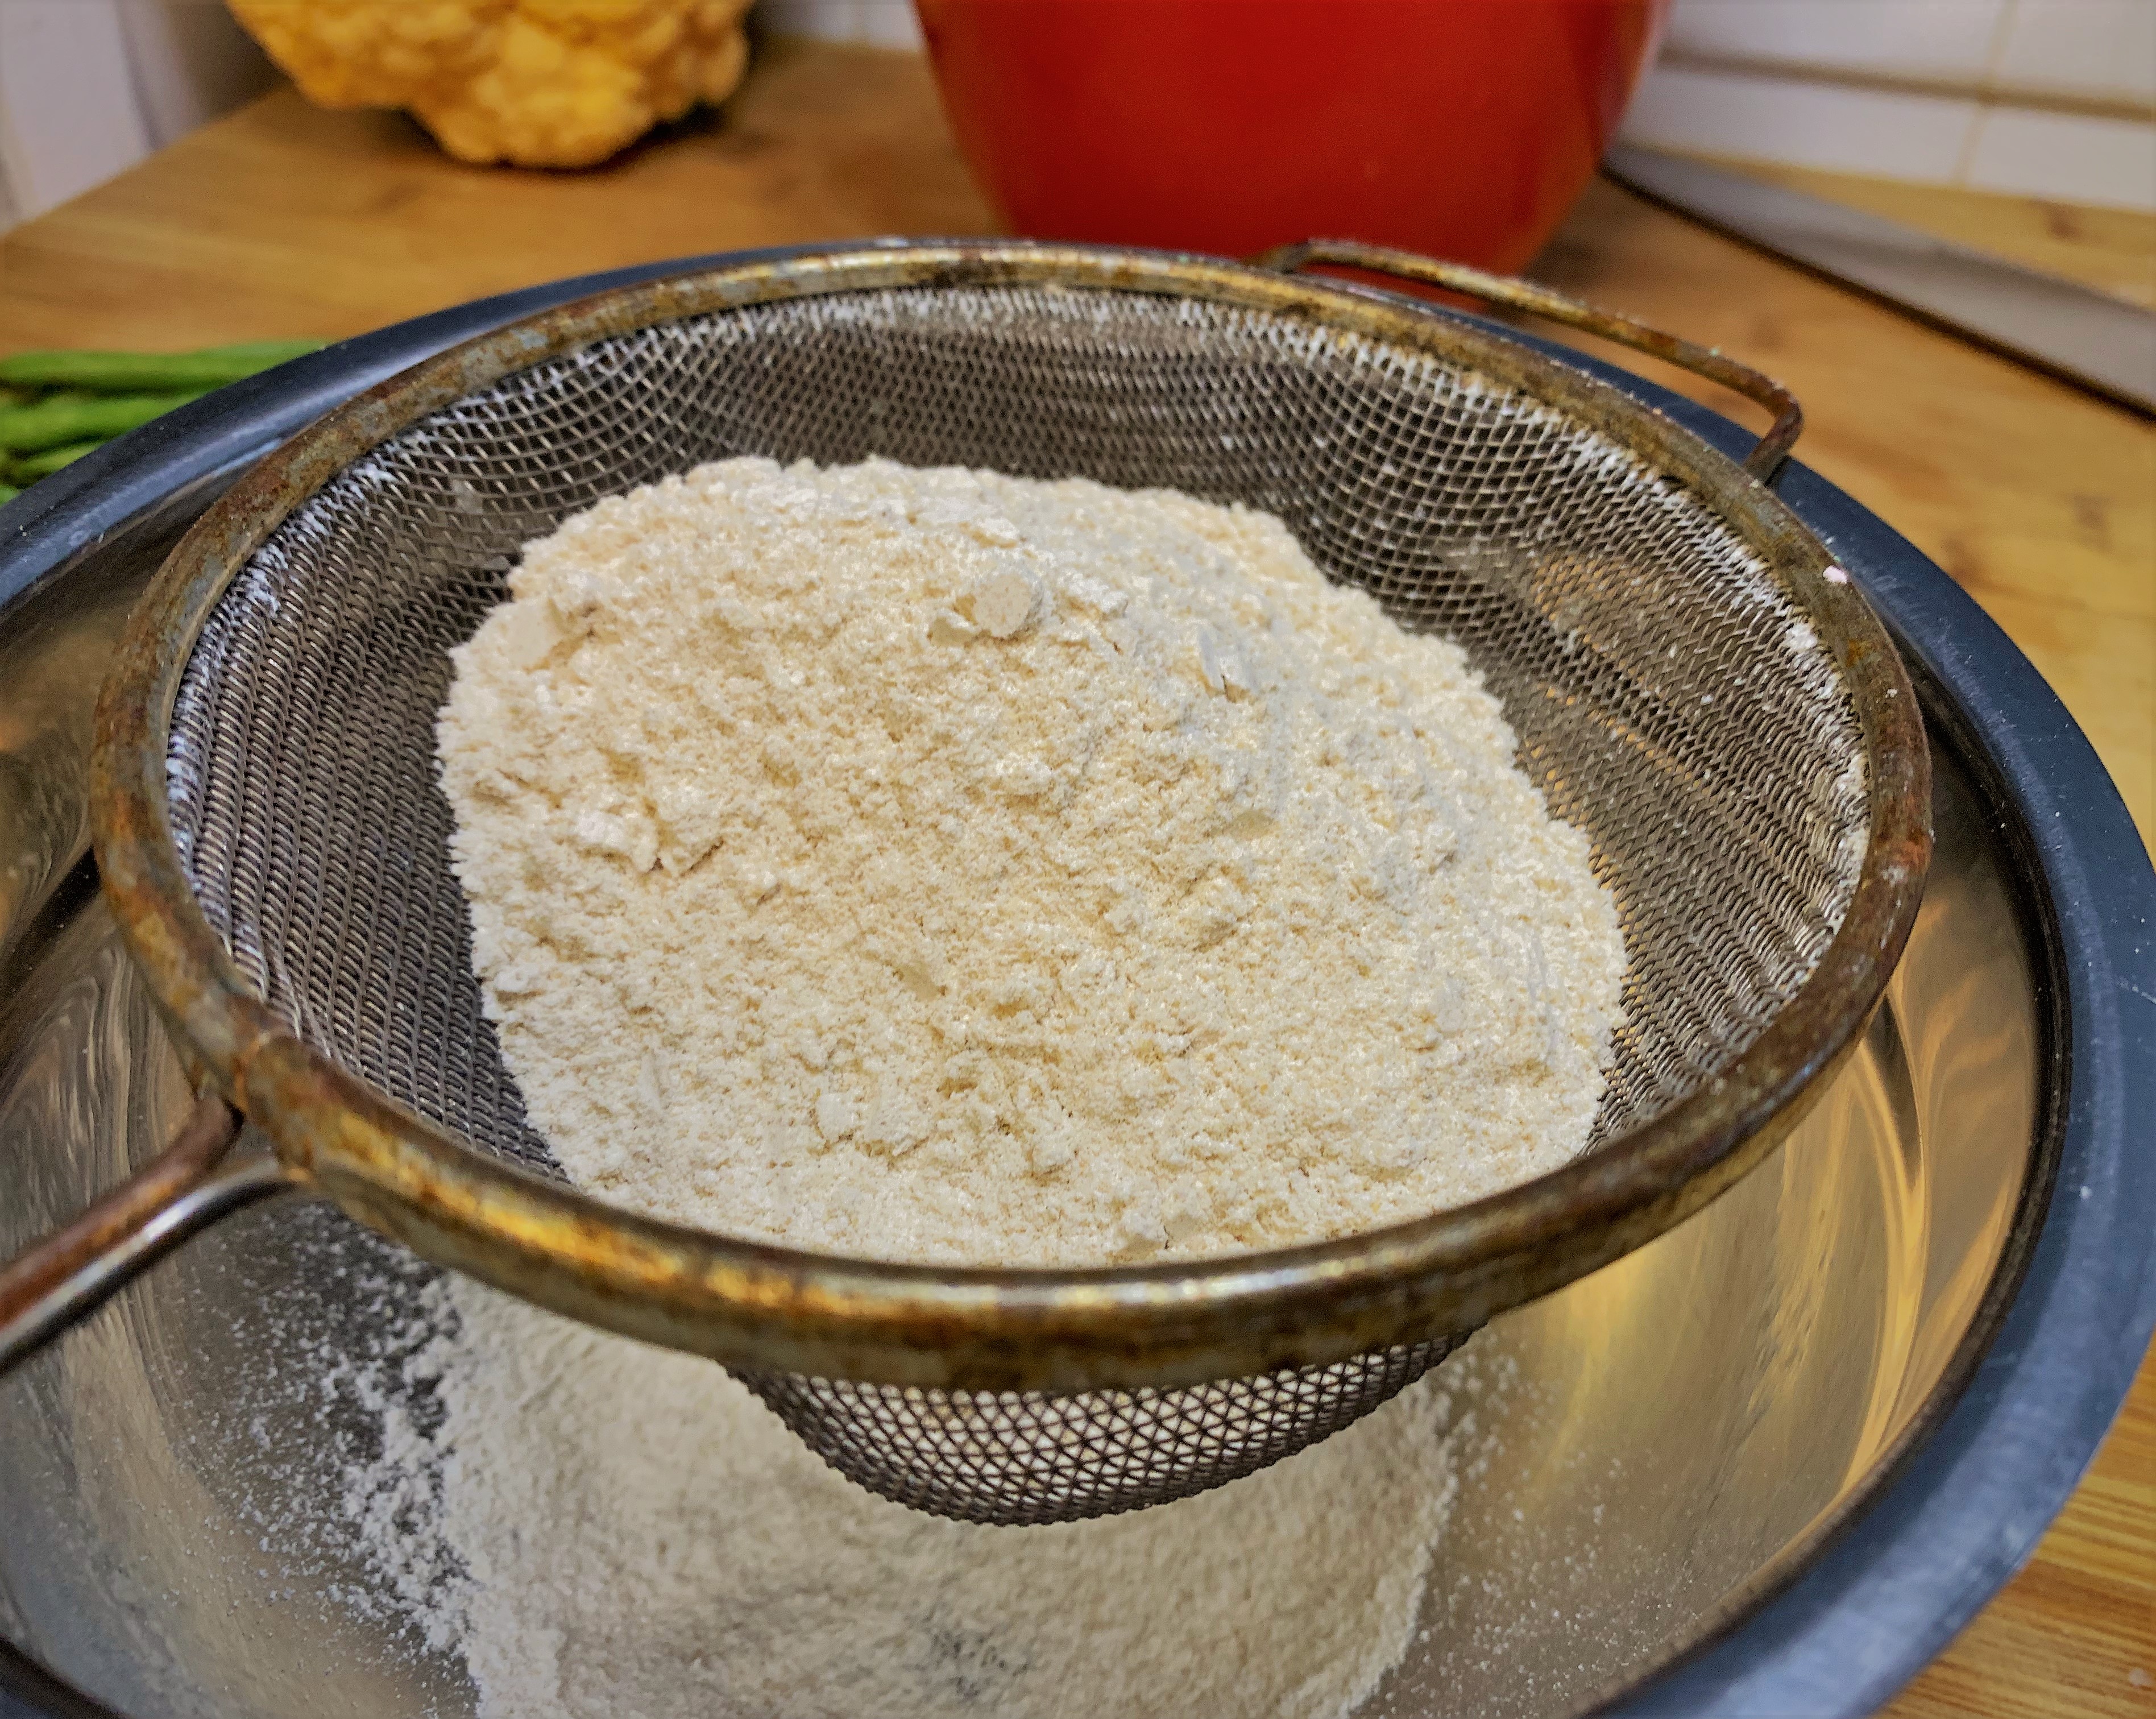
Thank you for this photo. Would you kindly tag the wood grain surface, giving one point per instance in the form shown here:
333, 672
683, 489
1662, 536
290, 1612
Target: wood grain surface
282, 220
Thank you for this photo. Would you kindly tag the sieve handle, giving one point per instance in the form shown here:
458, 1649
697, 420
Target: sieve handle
1767, 455
73, 1271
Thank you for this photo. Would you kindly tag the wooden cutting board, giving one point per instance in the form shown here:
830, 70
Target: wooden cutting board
282, 220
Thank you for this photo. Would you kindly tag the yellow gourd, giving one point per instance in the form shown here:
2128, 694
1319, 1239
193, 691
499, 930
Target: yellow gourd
540, 83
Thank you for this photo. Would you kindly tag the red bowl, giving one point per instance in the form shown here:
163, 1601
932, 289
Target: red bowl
1461, 128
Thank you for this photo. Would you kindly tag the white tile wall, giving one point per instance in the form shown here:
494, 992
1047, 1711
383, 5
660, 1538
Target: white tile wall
2088, 159
1809, 124
1936, 39
2088, 46
879, 23
68, 116
90, 87
1977, 81
191, 61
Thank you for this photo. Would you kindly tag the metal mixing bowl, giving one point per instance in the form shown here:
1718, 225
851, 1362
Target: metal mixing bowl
1793, 1443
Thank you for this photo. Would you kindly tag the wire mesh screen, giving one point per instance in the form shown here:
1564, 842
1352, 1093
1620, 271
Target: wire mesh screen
1668, 696
1019, 1459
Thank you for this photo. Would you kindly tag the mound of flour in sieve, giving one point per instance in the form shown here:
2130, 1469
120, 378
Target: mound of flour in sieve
598, 1528
945, 866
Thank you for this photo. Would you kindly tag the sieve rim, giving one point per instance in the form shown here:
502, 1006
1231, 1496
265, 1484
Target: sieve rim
756, 1304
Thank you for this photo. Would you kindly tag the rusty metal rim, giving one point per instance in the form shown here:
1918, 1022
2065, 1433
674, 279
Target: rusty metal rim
752, 1305
1506, 293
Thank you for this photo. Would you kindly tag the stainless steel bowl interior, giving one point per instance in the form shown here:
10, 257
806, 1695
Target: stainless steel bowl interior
1666, 1437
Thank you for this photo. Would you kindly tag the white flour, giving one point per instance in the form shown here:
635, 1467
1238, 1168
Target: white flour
634, 1534
939, 866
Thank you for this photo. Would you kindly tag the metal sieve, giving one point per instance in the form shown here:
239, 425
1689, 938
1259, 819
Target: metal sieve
1692, 681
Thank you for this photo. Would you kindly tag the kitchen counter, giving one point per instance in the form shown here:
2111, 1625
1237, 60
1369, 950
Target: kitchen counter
2040, 501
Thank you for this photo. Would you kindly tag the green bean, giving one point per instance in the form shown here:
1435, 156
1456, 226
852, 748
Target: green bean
131, 372
45, 464
53, 423
8, 492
